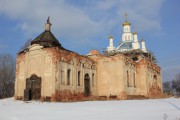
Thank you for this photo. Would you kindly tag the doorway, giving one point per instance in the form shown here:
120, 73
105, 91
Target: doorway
33, 88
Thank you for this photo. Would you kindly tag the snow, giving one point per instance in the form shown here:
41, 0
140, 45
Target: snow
151, 109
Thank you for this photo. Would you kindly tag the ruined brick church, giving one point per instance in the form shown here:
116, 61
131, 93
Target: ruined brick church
46, 67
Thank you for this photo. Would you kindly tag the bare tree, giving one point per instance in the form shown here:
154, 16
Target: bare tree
177, 83
7, 75
167, 87
173, 86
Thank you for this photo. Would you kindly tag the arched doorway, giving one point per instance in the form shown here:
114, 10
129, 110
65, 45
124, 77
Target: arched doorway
87, 84
33, 88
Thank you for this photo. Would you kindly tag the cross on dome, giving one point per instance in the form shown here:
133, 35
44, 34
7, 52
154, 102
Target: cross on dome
126, 22
125, 15
48, 25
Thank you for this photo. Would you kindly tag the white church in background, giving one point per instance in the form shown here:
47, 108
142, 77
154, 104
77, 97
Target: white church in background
129, 41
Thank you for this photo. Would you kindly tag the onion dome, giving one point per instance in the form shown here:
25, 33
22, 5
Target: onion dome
142, 40
134, 33
111, 37
126, 23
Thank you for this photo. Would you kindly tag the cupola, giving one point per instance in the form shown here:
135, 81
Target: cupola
46, 39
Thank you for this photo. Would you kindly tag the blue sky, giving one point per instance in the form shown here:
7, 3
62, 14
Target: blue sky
83, 25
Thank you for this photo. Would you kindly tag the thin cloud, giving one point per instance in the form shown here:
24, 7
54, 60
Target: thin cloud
3, 46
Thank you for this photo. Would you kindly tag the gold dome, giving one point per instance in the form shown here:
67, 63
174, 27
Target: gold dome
126, 23
111, 37
134, 33
142, 40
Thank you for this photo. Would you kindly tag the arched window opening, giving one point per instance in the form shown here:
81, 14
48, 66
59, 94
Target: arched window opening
62, 77
68, 76
93, 79
155, 78
87, 90
127, 78
79, 78
134, 79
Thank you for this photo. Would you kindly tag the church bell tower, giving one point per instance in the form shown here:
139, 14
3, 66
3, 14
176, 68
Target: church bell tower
127, 35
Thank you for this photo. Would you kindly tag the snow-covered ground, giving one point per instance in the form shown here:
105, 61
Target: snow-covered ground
153, 109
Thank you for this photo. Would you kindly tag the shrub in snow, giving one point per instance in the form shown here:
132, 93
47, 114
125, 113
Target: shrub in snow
67, 95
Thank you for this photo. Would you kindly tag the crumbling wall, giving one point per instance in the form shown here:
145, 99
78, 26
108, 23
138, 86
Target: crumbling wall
19, 76
110, 75
129, 73
148, 74
155, 91
64, 60
141, 72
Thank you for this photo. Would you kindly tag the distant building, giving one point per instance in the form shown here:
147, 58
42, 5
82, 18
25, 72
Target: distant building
46, 67
129, 41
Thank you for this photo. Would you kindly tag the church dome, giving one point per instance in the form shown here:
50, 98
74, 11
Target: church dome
126, 23
93, 52
111, 37
46, 39
134, 33
142, 40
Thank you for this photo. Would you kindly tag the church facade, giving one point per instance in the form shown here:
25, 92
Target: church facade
45, 67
